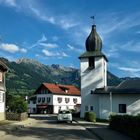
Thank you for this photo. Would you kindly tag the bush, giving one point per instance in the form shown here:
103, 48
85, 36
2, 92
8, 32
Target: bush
16, 104
90, 116
127, 124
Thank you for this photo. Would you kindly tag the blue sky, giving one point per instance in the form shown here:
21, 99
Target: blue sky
54, 31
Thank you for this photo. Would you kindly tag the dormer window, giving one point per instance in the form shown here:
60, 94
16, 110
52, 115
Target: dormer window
65, 89
91, 62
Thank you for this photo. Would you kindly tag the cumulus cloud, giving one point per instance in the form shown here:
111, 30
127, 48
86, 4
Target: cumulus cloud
11, 48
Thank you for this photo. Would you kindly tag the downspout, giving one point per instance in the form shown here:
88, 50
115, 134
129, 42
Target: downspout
4, 95
110, 102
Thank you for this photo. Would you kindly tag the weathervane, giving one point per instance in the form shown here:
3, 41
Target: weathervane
93, 18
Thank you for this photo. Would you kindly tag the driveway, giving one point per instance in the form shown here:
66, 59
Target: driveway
45, 127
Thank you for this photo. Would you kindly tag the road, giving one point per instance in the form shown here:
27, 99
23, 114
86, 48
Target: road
47, 128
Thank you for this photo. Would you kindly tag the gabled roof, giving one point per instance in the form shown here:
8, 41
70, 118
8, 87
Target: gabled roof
62, 89
130, 86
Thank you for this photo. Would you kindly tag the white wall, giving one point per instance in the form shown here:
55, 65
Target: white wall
104, 106
132, 102
45, 95
2, 102
31, 106
63, 104
56, 104
91, 79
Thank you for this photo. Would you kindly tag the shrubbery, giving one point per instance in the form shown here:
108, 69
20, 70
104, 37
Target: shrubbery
127, 124
90, 116
16, 104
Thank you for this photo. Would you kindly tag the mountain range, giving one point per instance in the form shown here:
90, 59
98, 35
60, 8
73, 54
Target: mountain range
25, 75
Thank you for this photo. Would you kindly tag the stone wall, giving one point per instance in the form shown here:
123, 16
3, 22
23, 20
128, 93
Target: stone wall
16, 116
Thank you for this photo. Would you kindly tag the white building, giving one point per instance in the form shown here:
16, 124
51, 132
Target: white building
3, 69
50, 98
96, 96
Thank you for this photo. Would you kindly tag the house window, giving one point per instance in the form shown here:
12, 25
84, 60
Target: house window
86, 108
48, 99
39, 99
59, 99
43, 99
91, 62
75, 100
67, 100
122, 108
91, 108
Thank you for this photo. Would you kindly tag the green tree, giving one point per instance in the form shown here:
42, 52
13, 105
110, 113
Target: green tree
16, 104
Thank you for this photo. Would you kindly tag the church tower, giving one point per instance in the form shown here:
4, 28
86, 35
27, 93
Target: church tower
93, 72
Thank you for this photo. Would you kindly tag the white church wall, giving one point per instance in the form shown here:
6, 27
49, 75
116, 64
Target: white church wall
104, 106
132, 102
91, 79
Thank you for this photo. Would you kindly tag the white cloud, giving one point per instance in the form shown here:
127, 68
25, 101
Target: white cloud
65, 23
49, 45
11, 3
12, 48
23, 50
54, 54
134, 72
129, 69
131, 46
72, 48
48, 53
43, 39
112, 52
43, 42
55, 38
118, 23
39, 14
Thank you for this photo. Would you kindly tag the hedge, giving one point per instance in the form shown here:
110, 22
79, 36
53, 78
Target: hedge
127, 124
90, 116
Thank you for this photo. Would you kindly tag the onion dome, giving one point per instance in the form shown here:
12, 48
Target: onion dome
93, 42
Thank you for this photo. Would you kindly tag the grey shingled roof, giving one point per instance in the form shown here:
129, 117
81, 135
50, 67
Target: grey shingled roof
92, 54
128, 86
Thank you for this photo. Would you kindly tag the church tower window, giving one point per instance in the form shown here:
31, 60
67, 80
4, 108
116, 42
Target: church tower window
91, 62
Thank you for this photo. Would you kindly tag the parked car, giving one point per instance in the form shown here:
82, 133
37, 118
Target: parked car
64, 115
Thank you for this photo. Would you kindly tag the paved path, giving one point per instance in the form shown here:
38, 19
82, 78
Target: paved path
102, 131
45, 127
